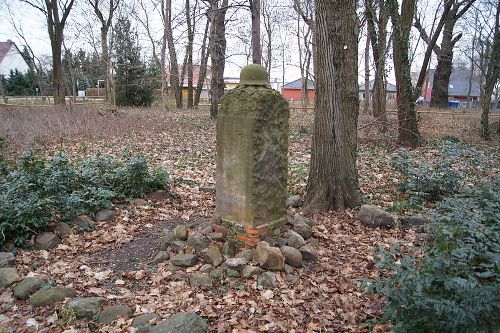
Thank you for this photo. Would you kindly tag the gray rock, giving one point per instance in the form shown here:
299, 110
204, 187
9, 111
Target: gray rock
217, 236
295, 240
177, 246
86, 307
417, 220
249, 271
293, 257
180, 232
138, 202
198, 242
161, 257
308, 252
217, 274
235, 263
141, 322
7, 259
292, 278
281, 241
183, 322
184, 260
303, 229
105, 215
158, 195
294, 201
212, 255
208, 189
312, 241
200, 280
8, 275
232, 273
46, 241
269, 257
267, 280
180, 275
207, 268
374, 216
49, 296
111, 313
62, 229
82, 223
299, 219
289, 269
26, 287
229, 248
247, 254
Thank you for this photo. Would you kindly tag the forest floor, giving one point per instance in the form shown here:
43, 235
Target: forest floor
113, 260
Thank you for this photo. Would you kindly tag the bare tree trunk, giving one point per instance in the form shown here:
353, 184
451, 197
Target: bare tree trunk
217, 49
189, 51
471, 73
492, 76
407, 115
203, 66
256, 46
174, 67
366, 107
332, 182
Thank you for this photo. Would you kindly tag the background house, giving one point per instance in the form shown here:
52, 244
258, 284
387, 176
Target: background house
458, 88
196, 75
292, 91
11, 59
390, 92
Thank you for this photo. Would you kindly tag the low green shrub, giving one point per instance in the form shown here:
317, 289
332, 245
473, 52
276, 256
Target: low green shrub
36, 190
454, 287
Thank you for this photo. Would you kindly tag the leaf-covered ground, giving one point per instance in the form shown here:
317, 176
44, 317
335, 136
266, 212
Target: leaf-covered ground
114, 259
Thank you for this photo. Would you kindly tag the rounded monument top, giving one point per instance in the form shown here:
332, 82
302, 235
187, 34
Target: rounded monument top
254, 75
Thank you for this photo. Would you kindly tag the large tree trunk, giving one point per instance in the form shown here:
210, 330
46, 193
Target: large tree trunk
189, 51
407, 115
366, 104
217, 49
105, 62
175, 84
203, 66
256, 47
58, 82
333, 182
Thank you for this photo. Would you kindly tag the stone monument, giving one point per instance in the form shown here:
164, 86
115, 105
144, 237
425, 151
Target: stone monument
252, 155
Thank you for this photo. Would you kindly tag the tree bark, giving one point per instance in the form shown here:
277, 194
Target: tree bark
203, 66
407, 115
256, 47
217, 49
175, 84
366, 104
189, 51
333, 182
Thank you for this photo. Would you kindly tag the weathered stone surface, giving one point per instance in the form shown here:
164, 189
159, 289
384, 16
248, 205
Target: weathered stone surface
229, 248
247, 254
7, 259
293, 257
46, 241
417, 220
183, 322
198, 242
295, 240
302, 228
105, 215
217, 274
212, 255
374, 216
177, 246
200, 280
249, 271
49, 296
269, 257
184, 260
236, 263
138, 202
267, 280
252, 147
26, 287
82, 223
232, 273
180, 232
289, 269
217, 236
207, 268
111, 313
308, 252
208, 189
8, 275
142, 322
86, 307
62, 229
292, 278
161, 257
294, 201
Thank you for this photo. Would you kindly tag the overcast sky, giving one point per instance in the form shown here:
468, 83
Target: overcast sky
82, 29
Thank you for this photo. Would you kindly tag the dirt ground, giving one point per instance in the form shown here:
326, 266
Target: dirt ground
114, 260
